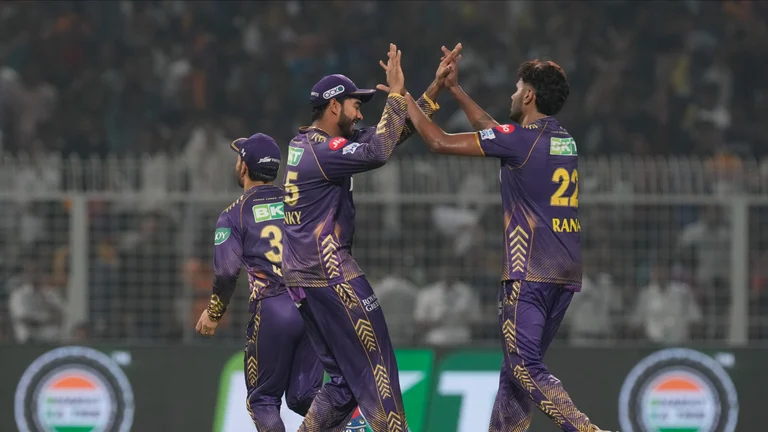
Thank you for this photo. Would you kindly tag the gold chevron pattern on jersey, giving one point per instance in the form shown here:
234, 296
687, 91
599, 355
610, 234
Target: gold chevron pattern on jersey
514, 294
394, 422
552, 412
257, 289
559, 402
252, 348
250, 412
346, 295
252, 370
518, 248
365, 333
525, 379
509, 332
328, 247
382, 381
554, 401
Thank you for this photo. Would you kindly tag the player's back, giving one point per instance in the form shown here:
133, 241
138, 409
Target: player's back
257, 219
319, 210
540, 194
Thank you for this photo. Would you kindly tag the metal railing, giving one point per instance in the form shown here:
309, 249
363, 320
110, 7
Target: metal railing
133, 259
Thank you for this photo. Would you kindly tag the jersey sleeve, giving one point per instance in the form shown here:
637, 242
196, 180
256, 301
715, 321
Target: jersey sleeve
227, 260
369, 148
510, 142
428, 107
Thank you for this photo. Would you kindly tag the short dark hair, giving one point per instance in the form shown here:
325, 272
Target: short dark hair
262, 177
549, 83
318, 111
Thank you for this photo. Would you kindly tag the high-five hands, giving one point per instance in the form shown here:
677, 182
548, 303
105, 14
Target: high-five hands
447, 72
451, 61
395, 77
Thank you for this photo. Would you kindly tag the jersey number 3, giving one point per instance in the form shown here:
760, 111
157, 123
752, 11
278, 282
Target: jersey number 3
564, 178
275, 255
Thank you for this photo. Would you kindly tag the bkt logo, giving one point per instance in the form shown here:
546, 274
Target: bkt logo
333, 92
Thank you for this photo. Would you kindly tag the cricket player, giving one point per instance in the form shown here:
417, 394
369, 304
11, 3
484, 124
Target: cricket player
542, 266
342, 314
279, 357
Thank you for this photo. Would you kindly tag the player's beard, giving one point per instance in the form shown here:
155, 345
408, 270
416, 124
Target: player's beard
346, 125
515, 113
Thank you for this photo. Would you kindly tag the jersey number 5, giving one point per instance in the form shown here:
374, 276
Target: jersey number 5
292, 191
275, 255
562, 176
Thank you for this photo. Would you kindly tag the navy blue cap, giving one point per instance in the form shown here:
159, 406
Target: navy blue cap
337, 86
259, 152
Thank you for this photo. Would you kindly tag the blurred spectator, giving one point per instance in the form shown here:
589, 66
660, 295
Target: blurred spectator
148, 279
397, 297
666, 310
447, 310
32, 102
593, 313
208, 157
705, 245
36, 307
134, 65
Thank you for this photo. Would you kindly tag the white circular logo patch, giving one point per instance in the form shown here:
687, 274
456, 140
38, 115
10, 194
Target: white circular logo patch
74, 389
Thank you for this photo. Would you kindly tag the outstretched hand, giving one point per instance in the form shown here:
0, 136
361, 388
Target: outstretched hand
447, 71
395, 77
451, 60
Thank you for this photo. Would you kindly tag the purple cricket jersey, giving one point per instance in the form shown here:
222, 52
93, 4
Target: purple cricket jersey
540, 195
250, 232
319, 210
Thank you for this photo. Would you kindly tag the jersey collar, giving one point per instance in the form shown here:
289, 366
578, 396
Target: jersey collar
305, 129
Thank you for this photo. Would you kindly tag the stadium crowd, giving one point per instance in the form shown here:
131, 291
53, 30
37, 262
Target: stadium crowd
181, 79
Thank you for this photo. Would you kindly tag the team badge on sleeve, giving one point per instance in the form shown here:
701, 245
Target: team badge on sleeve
222, 234
487, 134
351, 148
337, 143
505, 129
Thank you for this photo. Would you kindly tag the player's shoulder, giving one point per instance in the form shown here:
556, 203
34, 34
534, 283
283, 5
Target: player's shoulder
509, 131
336, 146
226, 215
264, 194
560, 142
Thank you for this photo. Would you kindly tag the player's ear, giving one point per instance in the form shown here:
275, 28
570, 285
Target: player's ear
529, 95
243, 168
335, 106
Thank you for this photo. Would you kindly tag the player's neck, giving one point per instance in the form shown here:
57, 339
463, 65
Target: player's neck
248, 183
329, 127
531, 117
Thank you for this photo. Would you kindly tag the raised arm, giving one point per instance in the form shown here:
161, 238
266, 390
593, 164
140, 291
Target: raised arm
427, 105
477, 116
462, 144
427, 101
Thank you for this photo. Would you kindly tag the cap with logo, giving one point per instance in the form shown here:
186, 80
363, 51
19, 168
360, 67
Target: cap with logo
337, 86
259, 152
